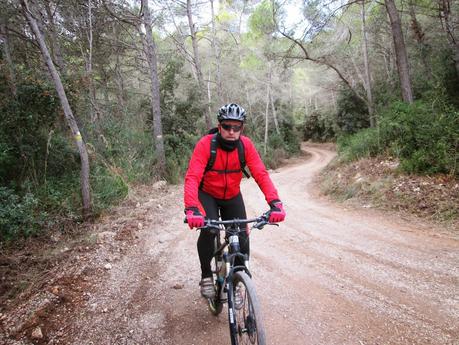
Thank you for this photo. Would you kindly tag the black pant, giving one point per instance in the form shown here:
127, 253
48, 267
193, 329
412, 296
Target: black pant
227, 209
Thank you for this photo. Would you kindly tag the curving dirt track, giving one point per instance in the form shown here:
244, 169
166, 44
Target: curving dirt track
327, 275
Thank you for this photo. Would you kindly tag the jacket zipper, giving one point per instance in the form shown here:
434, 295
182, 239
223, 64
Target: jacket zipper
226, 180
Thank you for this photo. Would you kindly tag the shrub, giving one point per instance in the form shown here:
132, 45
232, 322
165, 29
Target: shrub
108, 187
25, 122
17, 214
352, 114
126, 148
319, 127
362, 144
178, 152
425, 139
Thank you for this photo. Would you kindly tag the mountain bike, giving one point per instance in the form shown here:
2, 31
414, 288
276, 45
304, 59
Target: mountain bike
233, 283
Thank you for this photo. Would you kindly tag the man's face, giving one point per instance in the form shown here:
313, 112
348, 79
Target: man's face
230, 129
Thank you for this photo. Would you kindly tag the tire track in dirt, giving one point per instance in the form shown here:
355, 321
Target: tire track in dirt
326, 276
386, 280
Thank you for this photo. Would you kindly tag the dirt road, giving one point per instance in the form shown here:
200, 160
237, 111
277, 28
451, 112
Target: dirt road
328, 275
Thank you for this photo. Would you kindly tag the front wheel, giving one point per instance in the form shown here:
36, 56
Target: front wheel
247, 312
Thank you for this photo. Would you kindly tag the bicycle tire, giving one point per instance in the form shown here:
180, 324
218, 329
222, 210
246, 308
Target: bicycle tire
249, 323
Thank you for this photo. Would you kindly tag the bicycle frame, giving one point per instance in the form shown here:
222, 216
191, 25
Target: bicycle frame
225, 277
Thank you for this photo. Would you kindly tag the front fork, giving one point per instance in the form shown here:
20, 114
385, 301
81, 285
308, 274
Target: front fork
229, 286
231, 312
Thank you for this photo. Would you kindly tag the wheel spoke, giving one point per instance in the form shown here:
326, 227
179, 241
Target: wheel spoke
248, 329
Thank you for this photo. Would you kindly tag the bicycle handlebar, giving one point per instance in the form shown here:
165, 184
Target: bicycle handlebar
260, 221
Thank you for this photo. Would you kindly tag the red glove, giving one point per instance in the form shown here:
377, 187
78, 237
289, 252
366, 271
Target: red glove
277, 213
194, 217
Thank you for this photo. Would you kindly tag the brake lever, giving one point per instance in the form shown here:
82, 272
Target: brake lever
261, 224
213, 229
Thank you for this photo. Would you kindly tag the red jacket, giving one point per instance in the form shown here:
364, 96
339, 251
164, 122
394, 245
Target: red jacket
224, 185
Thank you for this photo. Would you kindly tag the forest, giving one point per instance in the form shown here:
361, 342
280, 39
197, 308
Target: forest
97, 96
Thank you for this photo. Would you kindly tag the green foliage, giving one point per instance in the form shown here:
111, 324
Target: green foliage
280, 146
291, 137
17, 214
361, 144
181, 115
62, 155
182, 121
60, 197
319, 126
352, 114
108, 187
251, 62
261, 22
24, 126
447, 78
386, 92
126, 148
178, 152
425, 139
40, 165
223, 17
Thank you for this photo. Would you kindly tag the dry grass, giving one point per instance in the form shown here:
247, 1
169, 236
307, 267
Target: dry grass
377, 182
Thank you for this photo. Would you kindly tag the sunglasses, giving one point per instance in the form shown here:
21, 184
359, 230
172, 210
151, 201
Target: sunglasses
235, 128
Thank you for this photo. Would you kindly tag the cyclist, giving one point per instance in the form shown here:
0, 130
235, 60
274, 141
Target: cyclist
214, 190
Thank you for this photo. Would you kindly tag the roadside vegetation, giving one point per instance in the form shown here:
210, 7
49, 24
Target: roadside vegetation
104, 68
408, 162
395, 118
97, 97
103, 100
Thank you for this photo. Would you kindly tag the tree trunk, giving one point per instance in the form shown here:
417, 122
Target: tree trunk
247, 93
218, 78
358, 73
419, 36
335, 105
367, 69
401, 57
268, 91
150, 49
7, 55
449, 26
95, 112
276, 124
119, 81
196, 60
56, 47
306, 105
209, 95
85, 186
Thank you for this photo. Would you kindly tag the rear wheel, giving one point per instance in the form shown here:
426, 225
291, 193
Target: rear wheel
247, 313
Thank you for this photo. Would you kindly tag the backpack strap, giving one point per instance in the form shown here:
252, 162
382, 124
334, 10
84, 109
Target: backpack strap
213, 153
213, 156
241, 152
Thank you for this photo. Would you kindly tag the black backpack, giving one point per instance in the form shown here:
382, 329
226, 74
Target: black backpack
213, 155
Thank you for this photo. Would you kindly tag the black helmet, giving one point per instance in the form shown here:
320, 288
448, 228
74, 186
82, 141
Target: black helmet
231, 111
